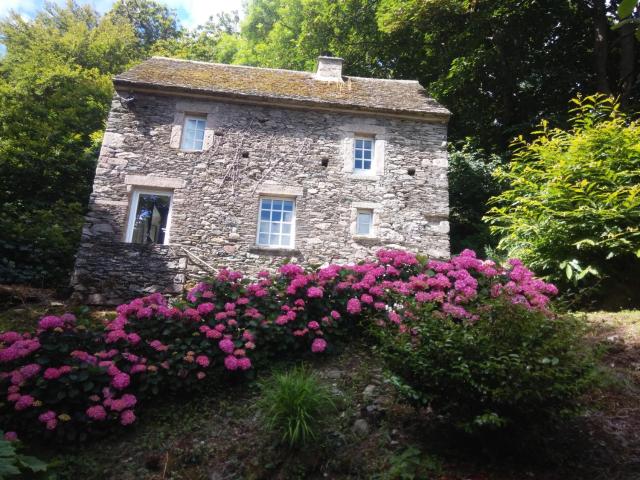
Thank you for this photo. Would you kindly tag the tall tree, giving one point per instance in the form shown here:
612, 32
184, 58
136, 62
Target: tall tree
152, 21
55, 91
291, 34
217, 40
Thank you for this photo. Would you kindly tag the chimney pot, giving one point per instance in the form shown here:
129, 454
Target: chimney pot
329, 68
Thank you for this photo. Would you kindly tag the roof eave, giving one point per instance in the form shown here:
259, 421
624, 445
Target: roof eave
438, 116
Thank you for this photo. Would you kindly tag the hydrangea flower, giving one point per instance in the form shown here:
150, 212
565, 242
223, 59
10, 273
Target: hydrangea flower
127, 417
318, 345
226, 345
96, 412
353, 306
202, 360
315, 292
120, 381
231, 362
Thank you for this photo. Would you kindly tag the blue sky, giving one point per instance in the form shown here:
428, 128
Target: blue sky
191, 12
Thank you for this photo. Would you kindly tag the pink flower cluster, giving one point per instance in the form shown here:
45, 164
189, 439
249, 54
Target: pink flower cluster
150, 345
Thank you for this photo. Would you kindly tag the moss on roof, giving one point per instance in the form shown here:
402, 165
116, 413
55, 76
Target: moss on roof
400, 96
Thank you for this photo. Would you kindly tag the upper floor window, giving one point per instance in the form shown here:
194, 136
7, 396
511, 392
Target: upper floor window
149, 217
193, 133
363, 155
364, 223
276, 224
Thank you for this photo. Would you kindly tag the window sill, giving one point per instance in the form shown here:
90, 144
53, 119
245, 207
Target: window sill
190, 151
362, 176
275, 251
365, 239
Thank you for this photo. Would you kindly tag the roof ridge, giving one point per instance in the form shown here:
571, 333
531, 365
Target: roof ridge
302, 72
384, 79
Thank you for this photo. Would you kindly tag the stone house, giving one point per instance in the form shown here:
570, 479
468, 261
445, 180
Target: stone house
207, 165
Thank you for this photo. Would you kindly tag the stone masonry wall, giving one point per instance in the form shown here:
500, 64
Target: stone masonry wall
250, 151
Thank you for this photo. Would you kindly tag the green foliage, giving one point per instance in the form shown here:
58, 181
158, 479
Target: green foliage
38, 245
471, 184
511, 367
55, 92
291, 34
152, 21
215, 41
572, 208
294, 405
489, 61
13, 463
410, 464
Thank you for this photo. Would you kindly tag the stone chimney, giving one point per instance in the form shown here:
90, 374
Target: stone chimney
329, 68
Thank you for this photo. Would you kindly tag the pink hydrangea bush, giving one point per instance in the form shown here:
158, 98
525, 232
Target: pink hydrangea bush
64, 380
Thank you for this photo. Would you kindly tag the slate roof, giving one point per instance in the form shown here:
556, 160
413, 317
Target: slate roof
258, 85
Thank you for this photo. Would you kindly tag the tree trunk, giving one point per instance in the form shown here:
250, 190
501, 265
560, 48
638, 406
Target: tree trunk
601, 45
627, 61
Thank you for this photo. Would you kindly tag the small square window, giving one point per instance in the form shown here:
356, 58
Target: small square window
149, 218
364, 223
193, 133
276, 225
363, 155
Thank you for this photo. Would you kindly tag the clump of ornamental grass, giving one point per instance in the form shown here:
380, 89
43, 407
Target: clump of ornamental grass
294, 405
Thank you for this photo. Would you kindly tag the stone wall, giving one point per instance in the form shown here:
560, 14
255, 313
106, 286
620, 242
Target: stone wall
252, 151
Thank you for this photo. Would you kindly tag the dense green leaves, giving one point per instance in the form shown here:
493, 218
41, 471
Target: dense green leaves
572, 208
13, 463
512, 367
55, 91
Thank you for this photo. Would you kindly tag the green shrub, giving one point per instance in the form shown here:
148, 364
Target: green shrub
38, 245
12, 462
572, 208
294, 404
511, 367
410, 464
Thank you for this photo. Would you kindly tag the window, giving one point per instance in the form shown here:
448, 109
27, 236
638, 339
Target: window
275, 227
193, 133
149, 217
364, 223
363, 155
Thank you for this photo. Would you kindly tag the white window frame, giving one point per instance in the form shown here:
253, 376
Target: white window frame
292, 243
199, 118
364, 171
371, 213
133, 208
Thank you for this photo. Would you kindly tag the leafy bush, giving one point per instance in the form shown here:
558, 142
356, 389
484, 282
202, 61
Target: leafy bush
506, 365
13, 463
38, 245
410, 464
294, 404
65, 381
572, 208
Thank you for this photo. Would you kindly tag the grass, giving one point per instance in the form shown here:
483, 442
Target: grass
294, 404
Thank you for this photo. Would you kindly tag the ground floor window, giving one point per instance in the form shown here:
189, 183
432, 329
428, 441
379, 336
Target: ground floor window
364, 223
149, 217
277, 222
